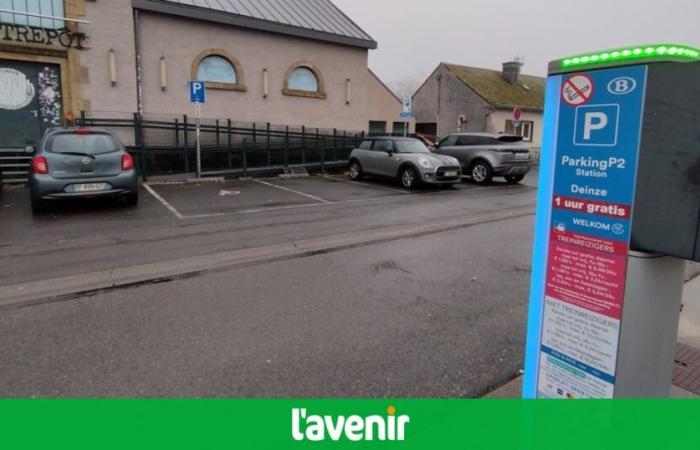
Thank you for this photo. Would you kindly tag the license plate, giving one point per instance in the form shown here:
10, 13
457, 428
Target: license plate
452, 173
90, 187
521, 155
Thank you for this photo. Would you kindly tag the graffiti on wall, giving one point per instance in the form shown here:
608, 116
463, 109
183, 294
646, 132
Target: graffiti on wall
16, 90
50, 96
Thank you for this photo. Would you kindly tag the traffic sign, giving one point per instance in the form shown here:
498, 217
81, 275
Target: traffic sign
407, 116
198, 92
407, 104
517, 114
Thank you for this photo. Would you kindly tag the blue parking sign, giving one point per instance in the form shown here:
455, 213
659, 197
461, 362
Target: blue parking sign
198, 92
597, 125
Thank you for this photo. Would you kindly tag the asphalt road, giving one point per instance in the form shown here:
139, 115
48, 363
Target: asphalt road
433, 315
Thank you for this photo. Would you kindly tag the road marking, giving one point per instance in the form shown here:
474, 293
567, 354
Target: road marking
343, 180
293, 191
170, 207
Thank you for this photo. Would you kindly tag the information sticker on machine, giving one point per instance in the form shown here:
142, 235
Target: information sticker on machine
597, 146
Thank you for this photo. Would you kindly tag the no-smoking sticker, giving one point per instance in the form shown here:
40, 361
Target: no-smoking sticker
577, 90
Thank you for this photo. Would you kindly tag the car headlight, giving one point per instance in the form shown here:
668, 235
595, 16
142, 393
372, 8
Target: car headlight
424, 162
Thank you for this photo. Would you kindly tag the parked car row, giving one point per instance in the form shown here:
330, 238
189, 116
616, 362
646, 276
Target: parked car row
79, 162
479, 156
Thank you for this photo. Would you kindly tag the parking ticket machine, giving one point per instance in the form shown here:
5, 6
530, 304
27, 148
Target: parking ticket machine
618, 214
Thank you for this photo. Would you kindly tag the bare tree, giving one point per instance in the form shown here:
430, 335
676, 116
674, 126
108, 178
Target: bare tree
404, 87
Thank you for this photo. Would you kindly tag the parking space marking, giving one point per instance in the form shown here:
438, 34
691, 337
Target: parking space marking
318, 201
343, 180
169, 207
293, 191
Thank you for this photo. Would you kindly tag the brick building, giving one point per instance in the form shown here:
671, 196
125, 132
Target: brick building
292, 62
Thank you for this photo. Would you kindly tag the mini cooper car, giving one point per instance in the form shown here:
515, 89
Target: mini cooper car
81, 163
405, 159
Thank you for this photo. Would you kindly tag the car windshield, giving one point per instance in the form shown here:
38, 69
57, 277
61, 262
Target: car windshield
411, 146
89, 144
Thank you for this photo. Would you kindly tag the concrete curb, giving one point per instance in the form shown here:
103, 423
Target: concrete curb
57, 288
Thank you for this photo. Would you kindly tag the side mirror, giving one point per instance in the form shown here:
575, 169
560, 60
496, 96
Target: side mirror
30, 149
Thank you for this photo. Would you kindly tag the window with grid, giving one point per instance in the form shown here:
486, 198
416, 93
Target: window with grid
34, 13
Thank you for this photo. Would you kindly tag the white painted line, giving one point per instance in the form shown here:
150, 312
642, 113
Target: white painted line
386, 188
170, 207
293, 191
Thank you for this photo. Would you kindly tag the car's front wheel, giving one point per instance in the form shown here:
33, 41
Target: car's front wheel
409, 177
354, 170
481, 172
514, 179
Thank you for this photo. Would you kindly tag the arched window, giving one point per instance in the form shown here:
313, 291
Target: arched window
219, 70
304, 80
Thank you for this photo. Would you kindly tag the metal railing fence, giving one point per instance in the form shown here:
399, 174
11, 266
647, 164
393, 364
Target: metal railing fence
164, 144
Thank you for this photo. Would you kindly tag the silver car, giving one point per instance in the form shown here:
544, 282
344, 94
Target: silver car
81, 163
405, 159
487, 155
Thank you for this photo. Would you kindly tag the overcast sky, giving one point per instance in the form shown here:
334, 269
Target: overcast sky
415, 35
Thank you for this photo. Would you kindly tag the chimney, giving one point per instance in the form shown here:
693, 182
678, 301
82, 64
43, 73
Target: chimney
511, 70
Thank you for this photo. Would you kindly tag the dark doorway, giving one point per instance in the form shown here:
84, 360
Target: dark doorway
427, 128
30, 102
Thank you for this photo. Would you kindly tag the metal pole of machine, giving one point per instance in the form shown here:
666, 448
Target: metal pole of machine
198, 132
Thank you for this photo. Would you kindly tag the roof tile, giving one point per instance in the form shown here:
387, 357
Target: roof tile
528, 93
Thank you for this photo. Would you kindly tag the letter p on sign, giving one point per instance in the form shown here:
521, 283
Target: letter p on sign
593, 121
597, 125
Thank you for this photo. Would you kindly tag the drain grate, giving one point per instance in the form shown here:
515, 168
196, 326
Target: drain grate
686, 371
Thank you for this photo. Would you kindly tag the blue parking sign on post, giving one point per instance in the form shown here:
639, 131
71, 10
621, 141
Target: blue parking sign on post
198, 92
198, 96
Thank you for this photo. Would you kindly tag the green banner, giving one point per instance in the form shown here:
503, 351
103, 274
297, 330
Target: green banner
348, 424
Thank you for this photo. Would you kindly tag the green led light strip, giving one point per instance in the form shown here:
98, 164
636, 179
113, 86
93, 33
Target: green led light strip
650, 52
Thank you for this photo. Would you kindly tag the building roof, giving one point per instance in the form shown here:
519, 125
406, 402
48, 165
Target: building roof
312, 19
527, 93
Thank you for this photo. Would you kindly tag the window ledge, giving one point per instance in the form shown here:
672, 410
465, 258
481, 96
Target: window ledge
225, 86
307, 94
